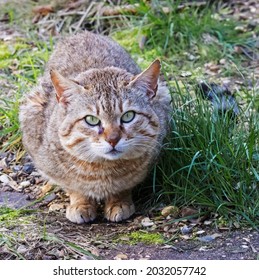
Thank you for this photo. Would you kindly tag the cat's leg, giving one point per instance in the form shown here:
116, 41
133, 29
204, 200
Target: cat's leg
119, 207
82, 209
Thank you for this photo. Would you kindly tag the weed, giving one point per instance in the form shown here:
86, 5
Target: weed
210, 161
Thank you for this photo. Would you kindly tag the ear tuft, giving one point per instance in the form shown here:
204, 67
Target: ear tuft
148, 79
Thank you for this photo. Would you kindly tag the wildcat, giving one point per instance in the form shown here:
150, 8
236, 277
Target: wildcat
95, 123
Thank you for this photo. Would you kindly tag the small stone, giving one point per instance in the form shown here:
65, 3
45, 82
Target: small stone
35, 174
186, 74
186, 230
4, 179
25, 184
21, 249
28, 168
17, 168
223, 61
240, 28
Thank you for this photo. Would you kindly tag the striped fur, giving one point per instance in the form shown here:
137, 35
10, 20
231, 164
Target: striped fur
93, 75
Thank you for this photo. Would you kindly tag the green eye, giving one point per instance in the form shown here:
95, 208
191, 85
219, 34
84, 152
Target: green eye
92, 120
128, 117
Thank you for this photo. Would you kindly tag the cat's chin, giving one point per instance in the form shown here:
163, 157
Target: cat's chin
113, 155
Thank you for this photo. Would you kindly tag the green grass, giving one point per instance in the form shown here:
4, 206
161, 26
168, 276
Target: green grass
21, 63
209, 162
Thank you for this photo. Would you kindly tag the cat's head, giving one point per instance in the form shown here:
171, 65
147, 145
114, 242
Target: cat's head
109, 114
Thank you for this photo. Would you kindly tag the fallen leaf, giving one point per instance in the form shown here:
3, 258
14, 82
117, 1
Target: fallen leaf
146, 222
200, 232
121, 257
188, 211
43, 10
209, 238
45, 189
56, 207
170, 210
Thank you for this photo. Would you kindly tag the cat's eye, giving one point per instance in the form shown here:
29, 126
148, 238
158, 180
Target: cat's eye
92, 120
128, 117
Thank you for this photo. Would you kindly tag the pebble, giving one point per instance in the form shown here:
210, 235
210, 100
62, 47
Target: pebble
4, 179
25, 184
186, 230
28, 168
17, 168
35, 174
22, 249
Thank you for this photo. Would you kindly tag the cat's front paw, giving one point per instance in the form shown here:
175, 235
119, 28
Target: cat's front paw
116, 212
80, 214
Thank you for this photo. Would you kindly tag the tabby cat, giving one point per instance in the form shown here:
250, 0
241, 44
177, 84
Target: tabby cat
94, 124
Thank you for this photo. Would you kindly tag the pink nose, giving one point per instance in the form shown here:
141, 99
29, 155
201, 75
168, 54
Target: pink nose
113, 139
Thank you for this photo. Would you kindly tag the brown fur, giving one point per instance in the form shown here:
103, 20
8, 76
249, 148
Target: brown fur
92, 75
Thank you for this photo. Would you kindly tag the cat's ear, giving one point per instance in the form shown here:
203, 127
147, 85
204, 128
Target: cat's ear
148, 79
61, 84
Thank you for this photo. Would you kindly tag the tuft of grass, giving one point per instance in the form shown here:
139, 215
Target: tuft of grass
210, 161
21, 64
185, 38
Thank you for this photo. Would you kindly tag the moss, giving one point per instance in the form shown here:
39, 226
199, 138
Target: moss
143, 237
129, 39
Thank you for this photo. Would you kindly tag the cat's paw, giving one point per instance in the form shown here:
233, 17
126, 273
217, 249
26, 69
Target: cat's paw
80, 214
116, 212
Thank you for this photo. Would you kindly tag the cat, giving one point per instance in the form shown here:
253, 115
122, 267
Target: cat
95, 124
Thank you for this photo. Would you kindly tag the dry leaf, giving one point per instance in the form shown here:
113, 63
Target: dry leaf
188, 211
43, 10
170, 210
146, 222
121, 257
45, 189
56, 207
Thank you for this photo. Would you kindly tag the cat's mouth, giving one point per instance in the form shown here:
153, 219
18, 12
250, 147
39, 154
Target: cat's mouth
113, 152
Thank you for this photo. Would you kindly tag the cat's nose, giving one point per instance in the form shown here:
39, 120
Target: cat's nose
113, 139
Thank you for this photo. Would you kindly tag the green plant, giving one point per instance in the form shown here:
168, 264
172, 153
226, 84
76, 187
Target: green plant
211, 161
